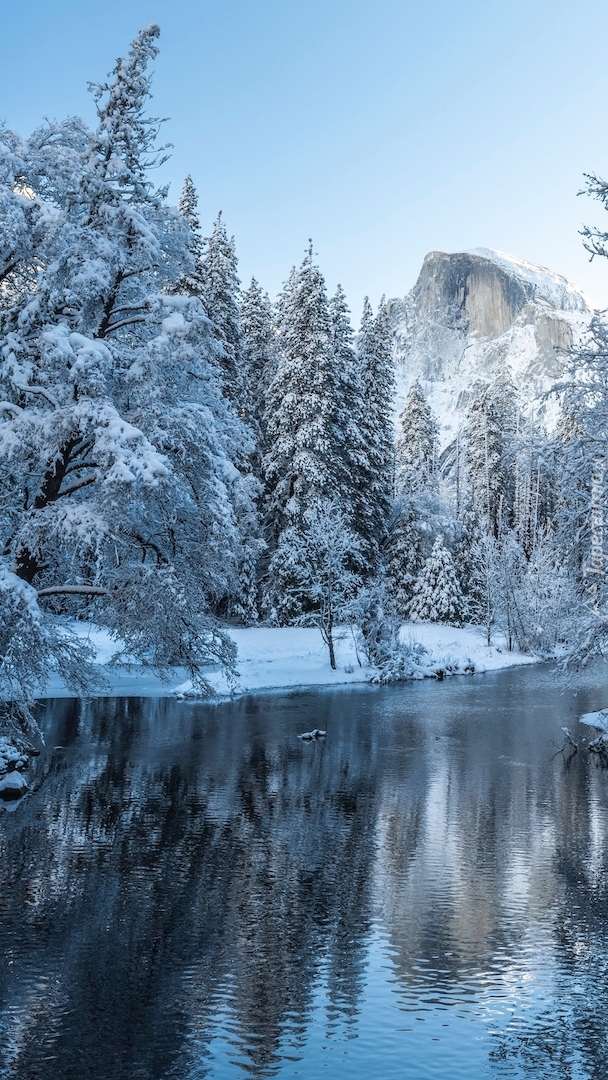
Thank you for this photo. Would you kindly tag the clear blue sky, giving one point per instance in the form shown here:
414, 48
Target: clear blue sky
382, 130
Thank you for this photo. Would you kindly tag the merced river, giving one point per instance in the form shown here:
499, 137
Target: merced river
189, 891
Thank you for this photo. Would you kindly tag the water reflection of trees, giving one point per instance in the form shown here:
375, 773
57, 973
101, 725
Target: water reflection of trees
159, 884
186, 876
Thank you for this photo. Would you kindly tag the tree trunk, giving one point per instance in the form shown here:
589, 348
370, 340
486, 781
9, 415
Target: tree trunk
330, 641
332, 655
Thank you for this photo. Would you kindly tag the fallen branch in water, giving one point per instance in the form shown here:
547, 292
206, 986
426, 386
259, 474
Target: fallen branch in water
569, 740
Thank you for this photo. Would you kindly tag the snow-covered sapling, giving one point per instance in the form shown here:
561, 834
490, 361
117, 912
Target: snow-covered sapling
437, 596
317, 559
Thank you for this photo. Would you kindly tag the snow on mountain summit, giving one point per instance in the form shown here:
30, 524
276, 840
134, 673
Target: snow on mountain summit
471, 313
549, 286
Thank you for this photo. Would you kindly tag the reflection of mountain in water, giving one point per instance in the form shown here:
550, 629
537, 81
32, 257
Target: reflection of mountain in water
186, 875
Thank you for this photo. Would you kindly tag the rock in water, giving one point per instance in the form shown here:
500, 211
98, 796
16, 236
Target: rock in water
309, 736
12, 786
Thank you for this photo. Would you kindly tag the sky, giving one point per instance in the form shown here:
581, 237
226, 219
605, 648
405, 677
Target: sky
380, 130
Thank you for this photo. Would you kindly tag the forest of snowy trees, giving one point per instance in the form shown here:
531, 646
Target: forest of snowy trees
180, 454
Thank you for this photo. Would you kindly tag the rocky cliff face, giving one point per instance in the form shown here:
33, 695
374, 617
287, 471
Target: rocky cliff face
471, 312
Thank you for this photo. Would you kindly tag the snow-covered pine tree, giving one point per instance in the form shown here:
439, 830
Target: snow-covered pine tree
303, 462
467, 530
373, 495
260, 359
213, 279
282, 306
192, 282
403, 558
489, 434
437, 595
417, 519
483, 599
220, 294
378, 637
118, 487
572, 486
413, 522
349, 405
417, 443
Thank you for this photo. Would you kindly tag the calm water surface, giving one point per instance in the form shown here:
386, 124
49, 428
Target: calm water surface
190, 891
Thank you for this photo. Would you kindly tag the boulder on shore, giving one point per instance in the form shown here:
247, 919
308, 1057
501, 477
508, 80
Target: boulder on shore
13, 786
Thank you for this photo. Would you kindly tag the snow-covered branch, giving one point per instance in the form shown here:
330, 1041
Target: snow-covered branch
73, 590
8, 406
125, 322
76, 487
41, 390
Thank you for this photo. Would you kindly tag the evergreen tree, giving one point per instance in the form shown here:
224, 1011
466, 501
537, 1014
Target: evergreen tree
283, 306
572, 486
260, 359
220, 294
242, 600
437, 595
468, 531
489, 435
378, 637
413, 522
373, 496
349, 406
309, 459
192, 282
482, 556
404, 556
417, 443
303, 461
213, 279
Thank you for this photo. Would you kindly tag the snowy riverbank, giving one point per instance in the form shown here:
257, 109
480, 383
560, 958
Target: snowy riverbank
290, 657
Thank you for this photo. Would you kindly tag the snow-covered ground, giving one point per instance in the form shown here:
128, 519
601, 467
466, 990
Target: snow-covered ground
598, 720
271, 659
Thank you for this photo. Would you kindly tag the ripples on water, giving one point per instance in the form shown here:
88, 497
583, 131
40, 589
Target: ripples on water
192, 892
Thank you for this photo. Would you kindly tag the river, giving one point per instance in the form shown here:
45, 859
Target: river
190, 891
